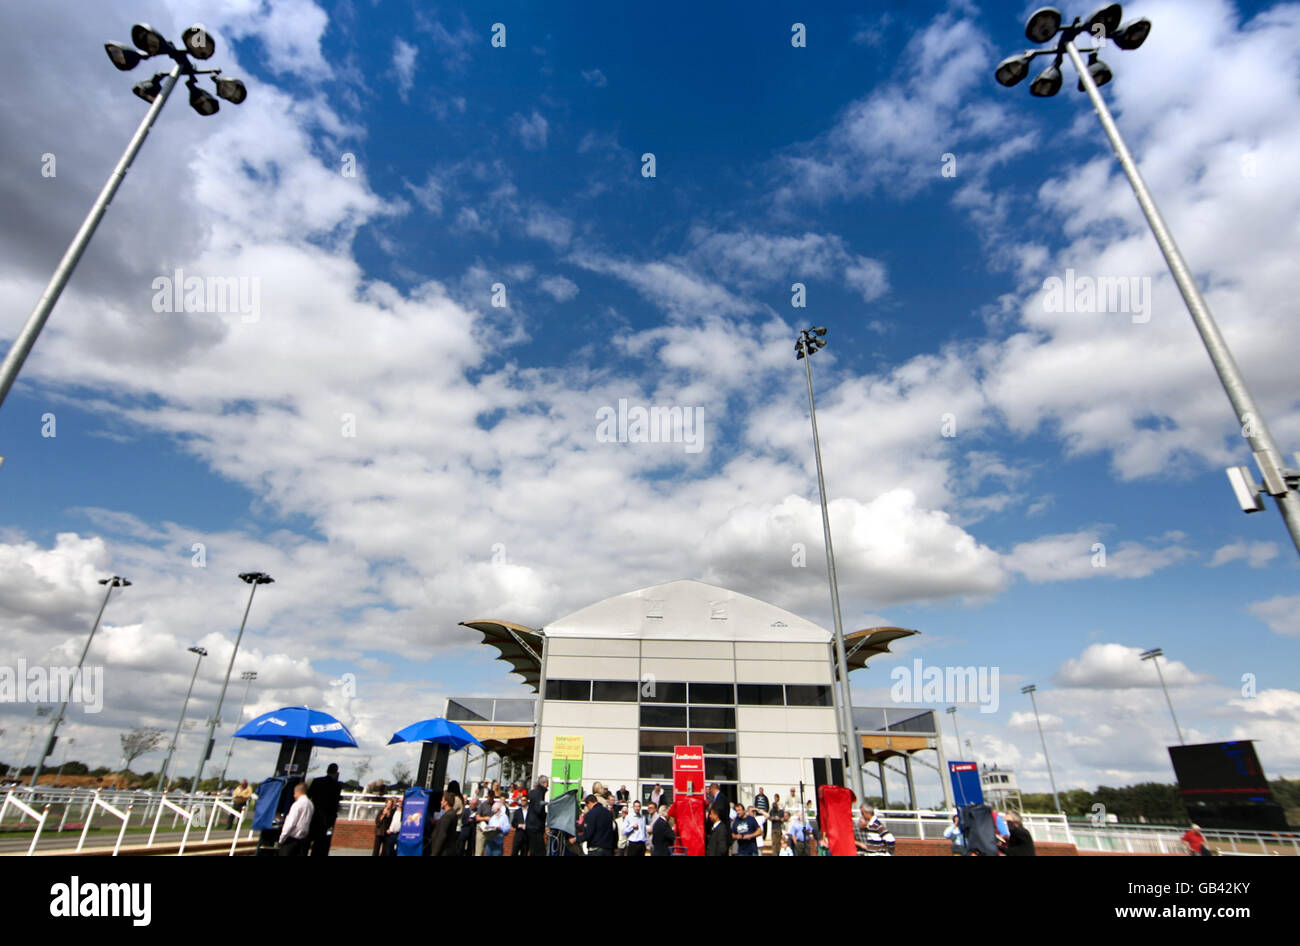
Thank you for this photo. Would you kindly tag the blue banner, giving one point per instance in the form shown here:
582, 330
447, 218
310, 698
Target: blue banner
415, 808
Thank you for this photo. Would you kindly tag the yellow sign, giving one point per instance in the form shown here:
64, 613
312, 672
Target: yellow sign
567, 747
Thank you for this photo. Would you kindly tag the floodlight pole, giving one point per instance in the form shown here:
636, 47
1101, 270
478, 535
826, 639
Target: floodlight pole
1267, 456
254, 579
1154, 656
167, 764
848, 732
115, 582
952, 711
249, 676
26, 338
1041, 738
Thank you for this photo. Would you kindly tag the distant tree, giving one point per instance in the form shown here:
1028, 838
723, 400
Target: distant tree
402, 773
137, 742
361, 769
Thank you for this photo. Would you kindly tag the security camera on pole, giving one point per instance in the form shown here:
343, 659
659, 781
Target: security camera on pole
1045, 24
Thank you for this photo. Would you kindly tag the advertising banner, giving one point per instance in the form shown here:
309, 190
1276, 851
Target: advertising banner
415, 808
688, 770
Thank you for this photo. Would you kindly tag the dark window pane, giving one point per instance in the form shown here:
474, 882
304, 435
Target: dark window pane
470, 710
568, 690
662, 740
614, 691
715, 743
657, 766
720, 769
798, 694
657, 692
663, 717
760, 694
724, 693
713, 717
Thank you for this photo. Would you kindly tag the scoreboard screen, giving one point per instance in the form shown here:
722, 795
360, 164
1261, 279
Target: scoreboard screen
1220, 768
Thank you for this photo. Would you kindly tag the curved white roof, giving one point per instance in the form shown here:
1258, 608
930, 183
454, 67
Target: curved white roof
687, 610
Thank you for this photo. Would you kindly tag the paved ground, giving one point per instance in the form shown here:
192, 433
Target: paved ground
67, 840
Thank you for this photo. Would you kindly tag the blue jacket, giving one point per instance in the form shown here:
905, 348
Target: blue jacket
598, 828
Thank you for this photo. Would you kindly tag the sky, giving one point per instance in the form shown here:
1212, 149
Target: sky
450, 258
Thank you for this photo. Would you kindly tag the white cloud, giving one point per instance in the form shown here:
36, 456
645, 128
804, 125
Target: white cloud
558, 287
404, 56
1282, 614
595, 77
532, 130
1255, 554
1116, 666
1072, 556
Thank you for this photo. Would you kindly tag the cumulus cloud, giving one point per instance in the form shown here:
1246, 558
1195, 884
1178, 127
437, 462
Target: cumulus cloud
558, 287
1117, 666
1254, 554
1281, 613
532, 130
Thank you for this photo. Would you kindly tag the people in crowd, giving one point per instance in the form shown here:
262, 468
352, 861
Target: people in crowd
776, 823
442, 839
745, 832
634, 830
620, 849
482, 815
661, 832
956, 839
382, 820
657, 795
1020, 843
519, 833
324, 794
800, 833
622, 796
297, 824
494, 834
870, 835
1194, 841
718, 842
535, 820
239, 801
787, 846
597, 828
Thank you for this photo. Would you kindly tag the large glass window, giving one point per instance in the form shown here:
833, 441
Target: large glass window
799, 694
715, 743
614, 691
662, 740
568, 690
658, 767
720, 693
712, 717
760, 694
656, 691
721, 769
663, 717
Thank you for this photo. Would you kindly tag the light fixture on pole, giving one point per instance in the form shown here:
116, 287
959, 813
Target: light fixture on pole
197, 43
115, 582
1031, 690
1154, 655
248, 676
952, 711
67, 746
167, 764
1279, 481
810, 342
253, 579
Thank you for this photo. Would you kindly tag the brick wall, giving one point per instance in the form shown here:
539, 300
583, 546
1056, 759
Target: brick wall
913, 847
354, 834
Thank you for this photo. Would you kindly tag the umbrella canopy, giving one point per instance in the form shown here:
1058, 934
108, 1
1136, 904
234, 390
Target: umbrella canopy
298, 722
436, 730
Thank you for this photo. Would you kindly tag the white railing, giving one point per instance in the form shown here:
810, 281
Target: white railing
38, 816
97, 802
180, 813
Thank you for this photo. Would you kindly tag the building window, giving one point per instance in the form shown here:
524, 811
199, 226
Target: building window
798, 694
656, 692
658, 767
760, 694
614, 691
712, 717
721, 769
663, 740
714, 743
663, 717
718, 693
568, 690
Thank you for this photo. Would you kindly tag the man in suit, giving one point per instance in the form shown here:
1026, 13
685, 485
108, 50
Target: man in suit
622, 796
597, 829
519, 830
324, 794
443, 840
661, 833
535, 821
719, 801
719, 841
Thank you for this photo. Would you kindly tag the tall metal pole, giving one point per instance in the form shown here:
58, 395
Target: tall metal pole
952, 711
26, 338
1267, 456
45, 750
250, 676
167, 763
1154, 656
847, 729
1037, 722
212, 723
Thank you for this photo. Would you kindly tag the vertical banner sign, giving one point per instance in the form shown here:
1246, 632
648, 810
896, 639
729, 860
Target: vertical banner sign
566, 765
688, 770
966, 788
415, 808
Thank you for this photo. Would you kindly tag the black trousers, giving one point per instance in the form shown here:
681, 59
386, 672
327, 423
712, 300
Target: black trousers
520, 846
537, 843
293, 847
635, 849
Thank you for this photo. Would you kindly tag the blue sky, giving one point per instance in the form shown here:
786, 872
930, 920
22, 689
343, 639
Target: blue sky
473, 483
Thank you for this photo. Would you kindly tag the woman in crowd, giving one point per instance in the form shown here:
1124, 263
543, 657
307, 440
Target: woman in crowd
382, 821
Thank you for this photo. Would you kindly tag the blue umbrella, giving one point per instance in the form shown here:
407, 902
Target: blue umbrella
298, 722
436, 730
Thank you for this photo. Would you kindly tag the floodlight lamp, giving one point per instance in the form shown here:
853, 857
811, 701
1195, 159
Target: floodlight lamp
1047, 83
1107, 18
122, 56
1013, 69
1099, 71
147, 39
199, 42
232, 90
1043, 24
203, 102
1133, 34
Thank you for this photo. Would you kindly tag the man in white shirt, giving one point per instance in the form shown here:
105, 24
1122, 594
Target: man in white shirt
634, 829
297, 824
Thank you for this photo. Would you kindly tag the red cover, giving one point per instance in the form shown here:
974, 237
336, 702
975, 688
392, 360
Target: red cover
688, 811
835, 811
